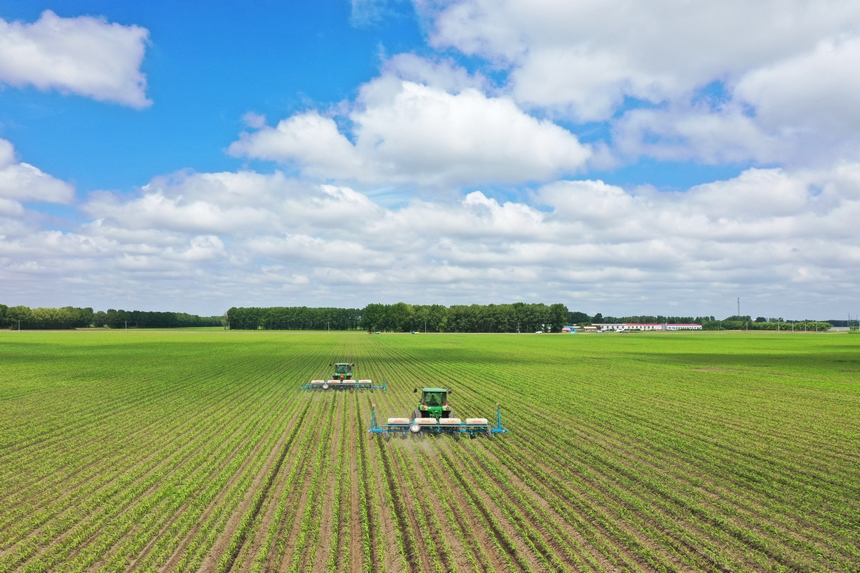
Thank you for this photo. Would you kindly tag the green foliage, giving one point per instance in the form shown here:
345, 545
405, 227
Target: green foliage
147, 319
69, 317
45, 318
187, 451
402, 317
293, 318
732, 323
577, 317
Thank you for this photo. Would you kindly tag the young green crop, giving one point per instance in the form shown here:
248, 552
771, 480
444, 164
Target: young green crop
665, 451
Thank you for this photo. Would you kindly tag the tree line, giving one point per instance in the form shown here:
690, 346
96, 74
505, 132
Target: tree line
27, 318
398, 317
761, 323
293, 318
709, 322
152, 319
403, 317
67, 317
583, 319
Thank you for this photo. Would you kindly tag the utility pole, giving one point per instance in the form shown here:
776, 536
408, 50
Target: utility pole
19, 325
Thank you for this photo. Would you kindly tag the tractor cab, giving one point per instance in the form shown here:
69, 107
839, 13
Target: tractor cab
433, 404
342, 371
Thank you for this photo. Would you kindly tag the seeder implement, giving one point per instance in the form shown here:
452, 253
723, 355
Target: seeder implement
342, 380
345, 385
421, 427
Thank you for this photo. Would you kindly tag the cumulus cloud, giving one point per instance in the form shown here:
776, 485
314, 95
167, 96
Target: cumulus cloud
260, 239
727, 134
84, 55
788, 79
659, 47
23, 182
443, 74
817, 90
410, 133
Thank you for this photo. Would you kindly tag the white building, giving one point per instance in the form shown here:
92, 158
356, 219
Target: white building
610, 326
617, 327
634, 326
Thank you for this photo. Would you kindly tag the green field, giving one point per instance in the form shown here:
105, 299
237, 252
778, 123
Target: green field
196, 451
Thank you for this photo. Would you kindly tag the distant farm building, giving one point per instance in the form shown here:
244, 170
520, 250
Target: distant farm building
611, 326
627, 326
644, 326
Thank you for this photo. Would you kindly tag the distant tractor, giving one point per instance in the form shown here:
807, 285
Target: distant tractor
342, 379
434, 416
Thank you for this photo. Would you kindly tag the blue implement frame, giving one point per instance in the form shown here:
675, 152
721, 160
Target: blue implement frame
416, 428
350, 385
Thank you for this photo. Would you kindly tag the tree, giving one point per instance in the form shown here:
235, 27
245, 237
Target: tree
558, 316
18, 315
577, 317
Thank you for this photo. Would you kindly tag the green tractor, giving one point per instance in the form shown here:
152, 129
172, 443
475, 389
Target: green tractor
433, 404
342, 371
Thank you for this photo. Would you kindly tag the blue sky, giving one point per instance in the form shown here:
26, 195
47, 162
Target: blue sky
621, 158
275, 57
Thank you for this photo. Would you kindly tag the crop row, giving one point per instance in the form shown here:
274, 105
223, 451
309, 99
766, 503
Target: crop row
623, 454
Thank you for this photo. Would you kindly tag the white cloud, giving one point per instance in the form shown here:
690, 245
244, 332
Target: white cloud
10, 208
309, 139
443, 74
668, 44
698, 133
410, 133
208, 241
24, 182
787, 69
817, 90
84, 55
